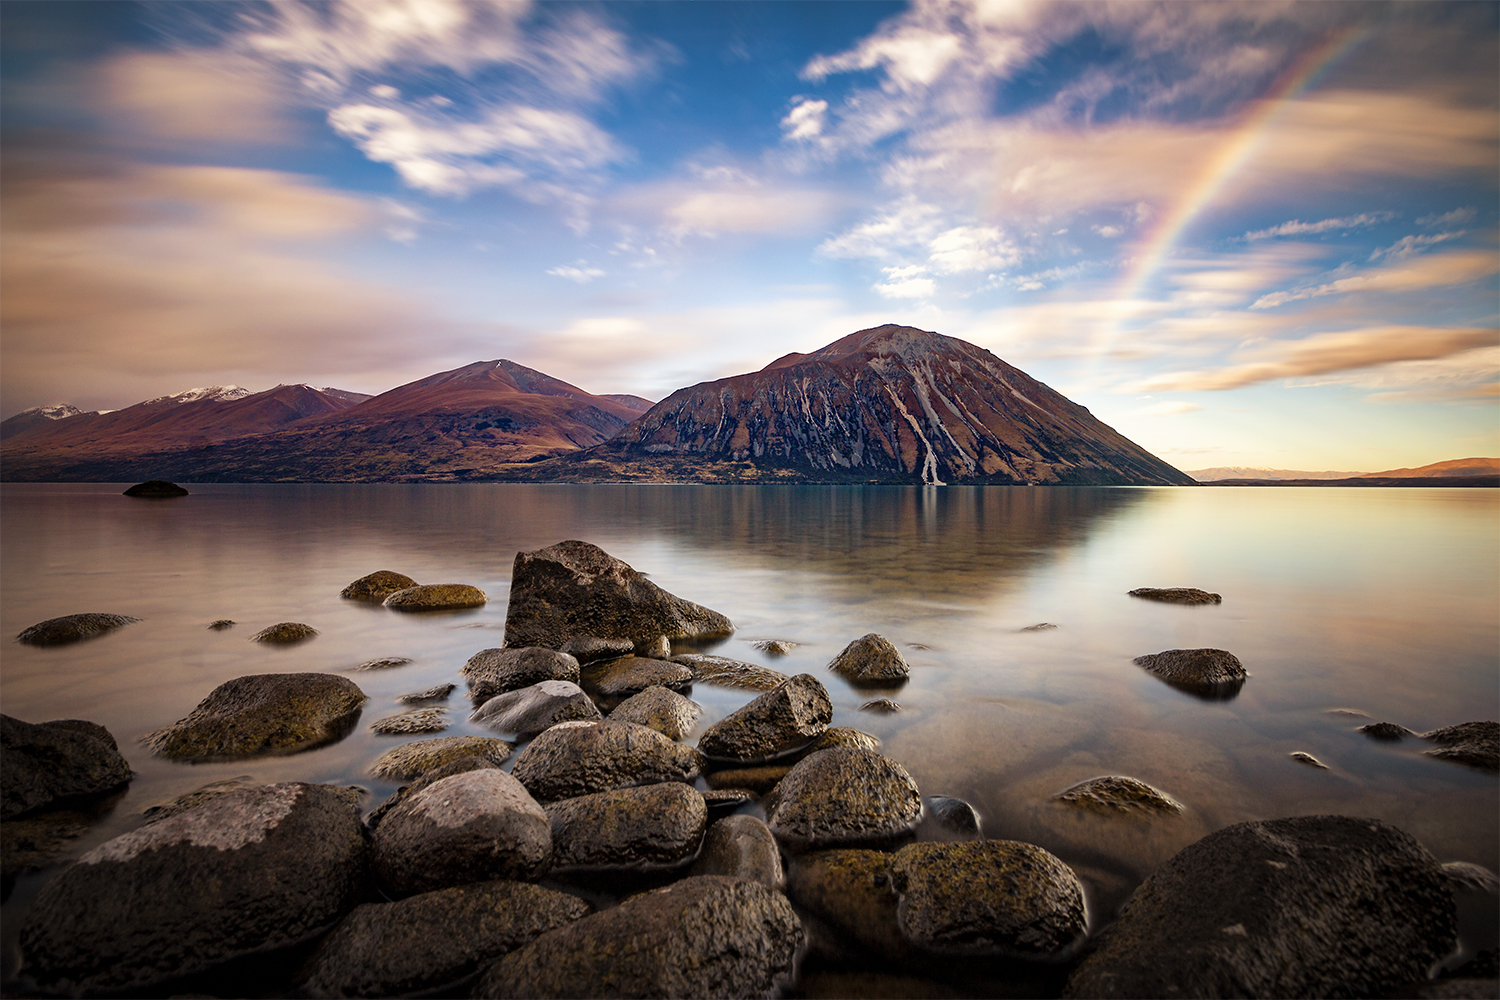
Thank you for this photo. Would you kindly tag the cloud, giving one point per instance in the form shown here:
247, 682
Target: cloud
1466, 375
1326, 353
907, 224
1408, 246
1167, 408
582, 273
1456, 217
805, 120
1297, 227
1436, 271
196, 96
904, 283
745, 208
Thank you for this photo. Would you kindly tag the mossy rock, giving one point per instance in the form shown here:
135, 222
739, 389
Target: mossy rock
72, 628
423, 720
263, 714
871, 659
661, 709
845, 797
284, 634
722, 671
377, 586
1118, 794
412, 760
436, 597
1211, 674
1177, 595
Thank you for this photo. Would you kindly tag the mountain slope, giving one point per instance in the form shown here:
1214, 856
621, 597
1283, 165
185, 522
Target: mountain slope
888, 404
1453, 467
1251, 472
37, 416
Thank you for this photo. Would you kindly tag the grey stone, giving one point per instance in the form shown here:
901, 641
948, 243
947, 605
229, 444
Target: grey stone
53, 761
284, 634
423, 720
588, 648
496, 671
531, 710
447, 769
412, 760
155, 489
613, 681
471, 827
661, 709
462, 929
1118, 794
646, 827
438, 693
845, 797
1302, 907
1177, 595
721, 671
1213, 674
580, 758
436, 597
576, 589
198, 796
778, 722
871, 659
1474, 743
242, 873
709, 936
263, 713
72, 628
741, 846
377, 586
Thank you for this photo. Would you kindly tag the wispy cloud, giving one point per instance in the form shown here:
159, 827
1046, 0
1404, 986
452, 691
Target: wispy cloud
1457, 217
1297, 227
580, 272
1408, 246
1436, 271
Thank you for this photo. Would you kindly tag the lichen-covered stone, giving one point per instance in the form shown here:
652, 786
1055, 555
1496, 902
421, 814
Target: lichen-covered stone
1474, 743
851, 892
1177, 595
709, 936
436, 597
580, 758
843, 736
263, 713
155, 489
462, 929
845, 798
987, 897
496, 671
741, 846
576, 589
242, 873
1118, 794
412, 760
438, 692
531, 710
284, 633
645, 827
198, 796
871, 659
72, 628
423, 720
782, 720
1302, 907
471, 827
613, 681
377, 586
1215, 674
53, 761
722, 671
661, 709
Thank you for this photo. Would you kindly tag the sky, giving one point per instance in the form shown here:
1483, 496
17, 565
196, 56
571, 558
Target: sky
1242, 233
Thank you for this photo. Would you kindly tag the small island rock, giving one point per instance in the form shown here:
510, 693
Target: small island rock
220, 624
871, 659
436, 597
284, 634
647, 827
580, 758
661, 709
496, 671
1118, 794
780, 721
1208, 673
53, 761
1386, 731
412, 760
155, 489
72, 628
1177, 595
263, 713
845, 798
532, 710
377, 586
775, 647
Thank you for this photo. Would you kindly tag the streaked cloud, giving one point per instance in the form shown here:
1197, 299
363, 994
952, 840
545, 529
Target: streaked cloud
1297, 227
1435, 271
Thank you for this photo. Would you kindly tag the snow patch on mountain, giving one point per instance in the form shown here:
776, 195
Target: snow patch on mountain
216, 393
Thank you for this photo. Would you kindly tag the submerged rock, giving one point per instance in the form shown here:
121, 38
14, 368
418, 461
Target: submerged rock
871, 659
377, 586
221, 624
845, 798
436, 597
843, 736
580, 758
741, 846
1467, 875
722, 671
263, 713
661, 709
709, 936
616, 680
240, 874
53, 761
1302, 907
532, 710
574, 589
1303, 757
753, 779
881, 706
284, 633
438, 693
1177, 595
1474, 743
948, 819
780, 721
496, 671
384, 663
155, 489
1118, 794
1215, 674
649, 827
412, 760
775, 647
424, 720
72, 628
370, 954
1387, 731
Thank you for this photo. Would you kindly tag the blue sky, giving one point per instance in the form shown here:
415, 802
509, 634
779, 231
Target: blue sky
1241, 233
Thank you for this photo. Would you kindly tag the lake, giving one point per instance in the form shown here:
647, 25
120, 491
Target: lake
1380, 602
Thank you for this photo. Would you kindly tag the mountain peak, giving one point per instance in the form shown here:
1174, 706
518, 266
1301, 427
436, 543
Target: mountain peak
216, 393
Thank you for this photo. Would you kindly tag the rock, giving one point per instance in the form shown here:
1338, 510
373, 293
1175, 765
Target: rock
471, 827
463, 928
412, 760
580, 758
155, 489
1474, 743
612, 681
534, 709
240, 874
756, 779
221, 624
659, 648
1117, 794
1177, 595
661, 709
496, 671
881, 706
198, 796
850, 891
71, 628
377, 586
741, 846
1302, 907
424, 720
1039, 627
778, 722
726, 800
42, 839
459, 765
436, 597
1302, 757
263, 713
871, 659
438, 693
1214, 674
576, 589
1387, 731
588, 648
722, 671
51, 762
987, 897
845, 798
384, 663
949, 819
709, 936
843, 736
653, 826
284, 633
775, 647
1467, 875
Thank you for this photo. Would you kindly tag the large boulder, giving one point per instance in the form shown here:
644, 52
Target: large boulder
1214, 674
496, 671
742, 846
72, 628
576, 589
242, 873
377, 586
371, 953
263, 713
1474, 743
849, 895
661, 709
1304, 907
653, 826
448, 769
471, 827
723, 671
531, 710
436, 597
709, 936
845, 797
412, 760
778, 722
53, 761
580, 758
871, 659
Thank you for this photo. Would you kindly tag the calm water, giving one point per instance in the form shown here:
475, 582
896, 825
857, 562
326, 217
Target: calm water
1383, 602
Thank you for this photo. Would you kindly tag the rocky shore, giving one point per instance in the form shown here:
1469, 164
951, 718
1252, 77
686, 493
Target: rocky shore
586, 849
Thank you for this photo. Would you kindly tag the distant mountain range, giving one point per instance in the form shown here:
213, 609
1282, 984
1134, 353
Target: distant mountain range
1248, 472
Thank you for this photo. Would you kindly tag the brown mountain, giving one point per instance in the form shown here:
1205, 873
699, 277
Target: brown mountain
891, 404
1454, 467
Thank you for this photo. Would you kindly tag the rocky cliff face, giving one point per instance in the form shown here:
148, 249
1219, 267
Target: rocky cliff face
893, 404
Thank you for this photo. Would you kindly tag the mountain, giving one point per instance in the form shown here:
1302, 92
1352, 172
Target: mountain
1247, 472
1454, 467
628, 401
37, 416
892, 404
